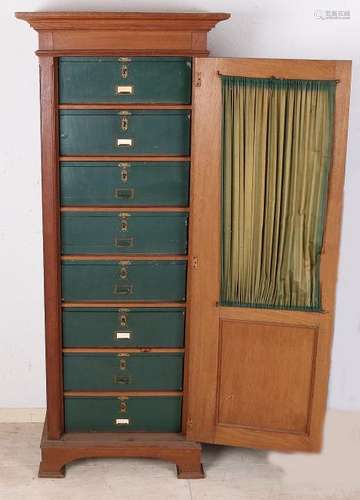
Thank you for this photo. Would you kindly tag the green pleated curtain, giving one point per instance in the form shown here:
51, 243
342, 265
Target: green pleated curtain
276, 154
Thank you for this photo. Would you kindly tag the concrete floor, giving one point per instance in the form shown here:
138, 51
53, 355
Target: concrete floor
232, 473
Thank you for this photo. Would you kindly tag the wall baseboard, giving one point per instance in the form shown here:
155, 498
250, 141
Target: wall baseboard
17, 415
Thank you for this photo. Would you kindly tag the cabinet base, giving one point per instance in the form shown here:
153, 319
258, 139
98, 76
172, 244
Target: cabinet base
56, 454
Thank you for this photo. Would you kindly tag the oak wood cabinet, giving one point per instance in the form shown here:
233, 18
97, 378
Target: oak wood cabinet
142, 357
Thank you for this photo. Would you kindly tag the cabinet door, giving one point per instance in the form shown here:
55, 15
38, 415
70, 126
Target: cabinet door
258, 370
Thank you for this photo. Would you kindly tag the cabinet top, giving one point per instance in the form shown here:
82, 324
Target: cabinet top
204, 21
67, 33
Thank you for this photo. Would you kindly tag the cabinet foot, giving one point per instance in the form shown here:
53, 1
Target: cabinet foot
51, 469
172, 447
186, 471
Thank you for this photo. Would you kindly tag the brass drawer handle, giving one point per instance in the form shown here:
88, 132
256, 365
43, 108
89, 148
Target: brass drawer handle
124, 123
124, 143
122, 421
123, 289
124, 193
122, 335
124, 89
123, 406
123, 320
123, 273
124, 242
122, 379
124, 71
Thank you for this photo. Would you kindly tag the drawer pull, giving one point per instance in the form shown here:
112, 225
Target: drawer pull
122, 335
124, 143
123, 320
124, 174
123, 290
123, 273
124, 224
124, 242
122, 421
121, 379
124, 71
124, 89
124, 193
124, 123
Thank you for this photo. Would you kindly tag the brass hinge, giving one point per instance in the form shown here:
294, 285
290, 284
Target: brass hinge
195, 262
198, 79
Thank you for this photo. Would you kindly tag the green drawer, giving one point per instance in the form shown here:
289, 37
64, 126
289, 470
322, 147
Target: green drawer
119, 233
113, 132
123, 80
135, 327
122, 372
118, 184
162, 280
134, 413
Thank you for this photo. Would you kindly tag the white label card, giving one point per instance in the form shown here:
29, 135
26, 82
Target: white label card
122, 421
123, 335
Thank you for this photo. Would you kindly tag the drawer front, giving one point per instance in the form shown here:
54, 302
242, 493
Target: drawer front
117, 184
134, 413
135, 327
114, 232
143, 132
162, 280
112, 372
112, 79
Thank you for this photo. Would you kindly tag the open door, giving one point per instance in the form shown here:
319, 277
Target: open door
259, 358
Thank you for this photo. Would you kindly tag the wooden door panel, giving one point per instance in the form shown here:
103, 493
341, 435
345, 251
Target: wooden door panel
266, 375
256, 377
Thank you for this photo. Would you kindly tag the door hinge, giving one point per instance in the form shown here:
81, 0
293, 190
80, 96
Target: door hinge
195, 262
198, 79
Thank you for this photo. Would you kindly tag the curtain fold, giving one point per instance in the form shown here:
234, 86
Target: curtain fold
276, 153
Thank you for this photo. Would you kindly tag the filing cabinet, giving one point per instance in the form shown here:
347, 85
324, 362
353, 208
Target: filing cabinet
116, 156
170, 178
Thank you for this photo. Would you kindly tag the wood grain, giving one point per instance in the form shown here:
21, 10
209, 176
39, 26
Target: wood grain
135, 33
121, 394
124, 106
125, 158
51, 238
260, 363
122, 305
219, 360
124, 257
122, 210
120, 350
164, 446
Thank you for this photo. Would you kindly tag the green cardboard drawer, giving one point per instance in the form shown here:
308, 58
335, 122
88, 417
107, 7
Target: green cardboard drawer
121, 372
109, 280
134, 327
119, 233
130, 183
124, 80
114, 132
133, 413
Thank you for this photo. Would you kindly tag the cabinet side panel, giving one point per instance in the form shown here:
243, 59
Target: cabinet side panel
51, 236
